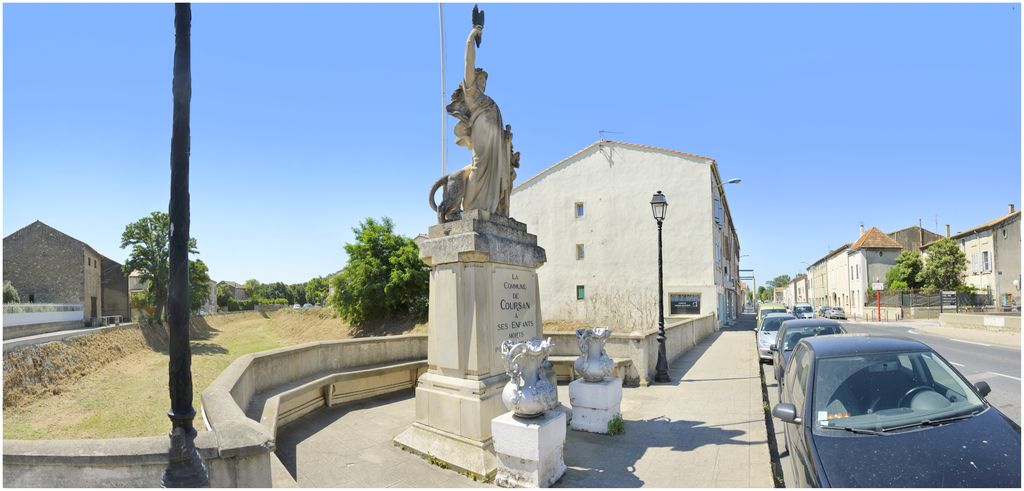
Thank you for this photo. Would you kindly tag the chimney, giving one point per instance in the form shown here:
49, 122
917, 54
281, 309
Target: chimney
861, 229
947, 230
1011, 208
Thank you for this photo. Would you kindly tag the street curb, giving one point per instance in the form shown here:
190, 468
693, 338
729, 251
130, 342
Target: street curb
773, 444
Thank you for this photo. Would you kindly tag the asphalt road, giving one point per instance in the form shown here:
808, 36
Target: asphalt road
997, 365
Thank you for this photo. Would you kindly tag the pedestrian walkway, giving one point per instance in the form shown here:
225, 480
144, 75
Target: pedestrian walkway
704, 429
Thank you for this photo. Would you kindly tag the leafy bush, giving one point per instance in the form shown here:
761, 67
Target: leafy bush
10, 293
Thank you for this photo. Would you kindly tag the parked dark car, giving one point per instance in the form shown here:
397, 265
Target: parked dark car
868, 411
791, 332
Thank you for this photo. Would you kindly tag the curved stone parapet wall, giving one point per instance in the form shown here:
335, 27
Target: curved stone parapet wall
237, 449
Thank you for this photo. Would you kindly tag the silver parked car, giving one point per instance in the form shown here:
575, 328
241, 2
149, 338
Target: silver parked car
767, 332
836, 313
803, 311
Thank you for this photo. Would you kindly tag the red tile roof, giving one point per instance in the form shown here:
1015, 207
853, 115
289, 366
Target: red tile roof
875, 239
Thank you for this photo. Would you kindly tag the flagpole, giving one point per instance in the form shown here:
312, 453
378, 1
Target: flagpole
444, 115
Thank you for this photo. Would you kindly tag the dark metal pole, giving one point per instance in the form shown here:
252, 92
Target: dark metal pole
661, 374
185, 469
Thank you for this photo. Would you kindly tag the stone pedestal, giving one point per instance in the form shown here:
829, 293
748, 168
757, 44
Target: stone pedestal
529, 451
594, 404
483, 290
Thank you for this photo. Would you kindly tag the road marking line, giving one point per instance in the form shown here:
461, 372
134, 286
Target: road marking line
1007, 376
957, 364
970, 342
912, 331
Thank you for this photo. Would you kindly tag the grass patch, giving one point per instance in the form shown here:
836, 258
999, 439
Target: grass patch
126, 395
616, 426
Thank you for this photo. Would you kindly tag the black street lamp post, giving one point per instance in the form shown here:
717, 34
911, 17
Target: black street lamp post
659, 205
185, 469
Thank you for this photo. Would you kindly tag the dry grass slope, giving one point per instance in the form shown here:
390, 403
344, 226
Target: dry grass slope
114, 384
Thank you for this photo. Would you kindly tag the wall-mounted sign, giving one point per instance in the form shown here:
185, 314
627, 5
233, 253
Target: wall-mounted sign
684, 303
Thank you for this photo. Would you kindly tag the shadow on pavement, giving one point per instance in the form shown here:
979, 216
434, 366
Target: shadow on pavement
602, 461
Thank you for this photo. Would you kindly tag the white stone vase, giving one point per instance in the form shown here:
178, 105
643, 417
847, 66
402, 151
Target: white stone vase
593, 364
529, 392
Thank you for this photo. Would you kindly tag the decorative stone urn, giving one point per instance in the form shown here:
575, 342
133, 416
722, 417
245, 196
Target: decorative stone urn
529, 392
593, 364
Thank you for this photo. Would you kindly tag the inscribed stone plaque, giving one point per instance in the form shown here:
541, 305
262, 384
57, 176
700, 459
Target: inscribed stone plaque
515, 308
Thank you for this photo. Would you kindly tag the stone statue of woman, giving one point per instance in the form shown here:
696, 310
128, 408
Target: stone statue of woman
480, 128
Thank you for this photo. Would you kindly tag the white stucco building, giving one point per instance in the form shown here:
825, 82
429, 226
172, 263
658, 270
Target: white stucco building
591, 212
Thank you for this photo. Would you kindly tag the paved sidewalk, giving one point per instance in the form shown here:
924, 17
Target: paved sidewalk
705, 429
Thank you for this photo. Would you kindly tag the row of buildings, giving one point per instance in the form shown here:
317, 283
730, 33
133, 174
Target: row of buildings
843, 276
46, 265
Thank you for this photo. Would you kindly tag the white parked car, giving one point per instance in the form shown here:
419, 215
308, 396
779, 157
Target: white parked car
296, 306
767, 332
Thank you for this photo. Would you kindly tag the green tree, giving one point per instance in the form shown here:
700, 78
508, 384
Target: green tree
945, 266
224, 295
780, 280
10, 293
383, 278
297, 292
198, 284
906, 274
316, 290
253, 288
148, 238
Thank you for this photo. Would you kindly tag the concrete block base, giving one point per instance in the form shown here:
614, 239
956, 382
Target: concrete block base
594, 404
529, 451
462, 454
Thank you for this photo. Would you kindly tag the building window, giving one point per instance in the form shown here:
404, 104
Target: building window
985, 264
579, 251
31, 298
684, 303
975, 264
88, 261
580, 293
579, 209
1004, 233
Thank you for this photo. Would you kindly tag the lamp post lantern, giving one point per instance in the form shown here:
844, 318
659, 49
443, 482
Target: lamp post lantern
659, 205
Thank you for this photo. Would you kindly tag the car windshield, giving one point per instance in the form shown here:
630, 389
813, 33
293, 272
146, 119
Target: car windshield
837, 309
793, 335
800, 309
772, 311
772, 324
888, 390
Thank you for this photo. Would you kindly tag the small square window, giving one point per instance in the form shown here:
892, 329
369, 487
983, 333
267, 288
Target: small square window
580, 294
579, 209
579, 251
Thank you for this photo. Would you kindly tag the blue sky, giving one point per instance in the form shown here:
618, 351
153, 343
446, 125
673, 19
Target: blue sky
308, 118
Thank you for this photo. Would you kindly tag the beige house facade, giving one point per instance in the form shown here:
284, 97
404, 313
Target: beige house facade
993, 258
591, 213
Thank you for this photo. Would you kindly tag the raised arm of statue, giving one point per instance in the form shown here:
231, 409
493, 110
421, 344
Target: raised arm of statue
469, 83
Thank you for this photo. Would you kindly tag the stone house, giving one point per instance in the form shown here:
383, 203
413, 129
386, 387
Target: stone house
237, 290
591, 213
49, 266
869, 258
993, 257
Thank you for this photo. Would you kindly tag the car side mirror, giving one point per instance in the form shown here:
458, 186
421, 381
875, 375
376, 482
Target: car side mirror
786, 412
983, 388
773, 347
